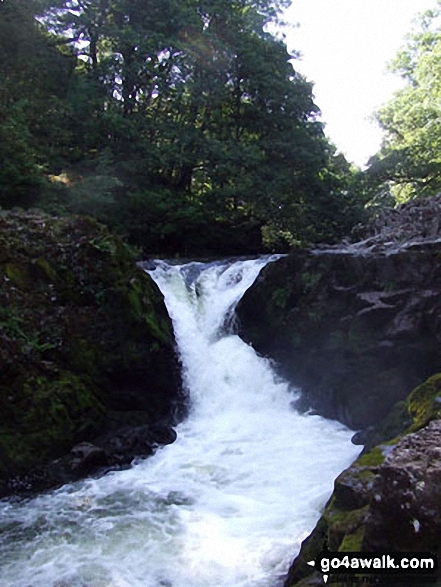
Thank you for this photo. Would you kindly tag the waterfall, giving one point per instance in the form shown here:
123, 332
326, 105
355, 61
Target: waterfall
226, 505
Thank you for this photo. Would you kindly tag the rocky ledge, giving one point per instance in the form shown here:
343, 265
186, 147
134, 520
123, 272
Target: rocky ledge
388, 500
86, 353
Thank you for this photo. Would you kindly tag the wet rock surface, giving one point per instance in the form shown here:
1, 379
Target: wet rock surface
112, 451
86, 350
405, 504
356, 330
389, 500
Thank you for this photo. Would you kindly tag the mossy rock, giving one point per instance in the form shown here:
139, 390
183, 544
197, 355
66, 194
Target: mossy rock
424, 403
341, 527
342, 524
421, 406
345, 528
46, 417
353, 539
83, 331
372, 458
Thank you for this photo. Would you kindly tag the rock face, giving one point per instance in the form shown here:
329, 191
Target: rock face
114, 450
388, 500
86, 345
356, 327
416, 220
409, 516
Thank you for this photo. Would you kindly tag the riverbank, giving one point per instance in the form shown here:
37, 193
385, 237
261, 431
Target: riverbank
87, 353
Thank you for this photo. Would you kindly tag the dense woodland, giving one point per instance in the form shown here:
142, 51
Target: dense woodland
409, 162
184, 126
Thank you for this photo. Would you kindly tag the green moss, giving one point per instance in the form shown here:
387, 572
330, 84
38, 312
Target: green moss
45, 269
397, 421
344, 527
83, 357
310, 281
77, 320
17, 453
345, 519
11, 323
45, 417
18, 327
280, 297
364, 473
135, 302
424, 403
353, 541
18, 275
373, 458
104, 244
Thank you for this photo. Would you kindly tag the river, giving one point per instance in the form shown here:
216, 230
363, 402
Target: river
226, 505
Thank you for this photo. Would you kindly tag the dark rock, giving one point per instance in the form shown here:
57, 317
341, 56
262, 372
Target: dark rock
389, 499
122, 446
355, 330
405, 505
412, 221
353, 488
363, 436
84, 334
114, 450
86, 457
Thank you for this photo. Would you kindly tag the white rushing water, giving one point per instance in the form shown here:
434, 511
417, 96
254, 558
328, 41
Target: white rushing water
226, 505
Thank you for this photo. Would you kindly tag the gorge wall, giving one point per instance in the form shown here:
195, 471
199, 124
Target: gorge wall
355, 327
86, 353
388, 500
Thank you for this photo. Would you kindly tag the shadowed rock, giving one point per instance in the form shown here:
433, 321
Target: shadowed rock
356, 331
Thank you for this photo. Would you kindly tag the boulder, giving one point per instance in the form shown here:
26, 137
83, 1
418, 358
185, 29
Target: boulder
405, 505
388, 500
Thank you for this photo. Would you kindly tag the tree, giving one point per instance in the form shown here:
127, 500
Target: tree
35, 77
410, 157
176, 116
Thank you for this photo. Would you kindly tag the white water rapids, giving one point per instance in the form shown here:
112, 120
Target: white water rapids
226, 505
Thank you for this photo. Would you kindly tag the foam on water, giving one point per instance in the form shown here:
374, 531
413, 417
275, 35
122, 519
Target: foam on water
226, 505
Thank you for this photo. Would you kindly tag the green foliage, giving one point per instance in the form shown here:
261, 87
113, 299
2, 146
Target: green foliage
20, 174
409, 162
180, 124
78, 320
35, 77
424, 403
45, 417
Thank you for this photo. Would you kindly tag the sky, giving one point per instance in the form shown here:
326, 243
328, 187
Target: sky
345, 47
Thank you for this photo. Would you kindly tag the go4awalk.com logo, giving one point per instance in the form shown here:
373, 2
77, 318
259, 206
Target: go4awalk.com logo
376, 563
